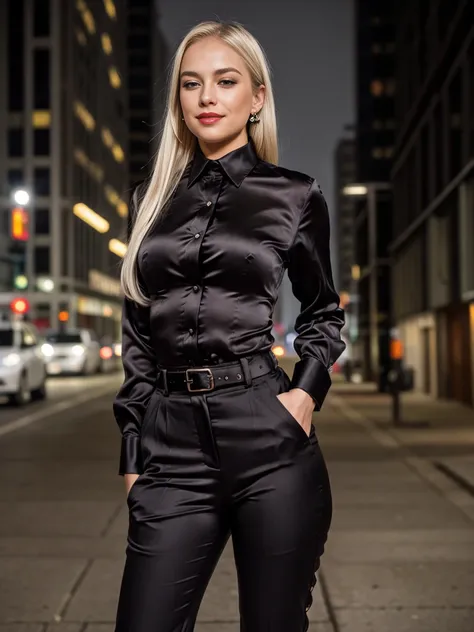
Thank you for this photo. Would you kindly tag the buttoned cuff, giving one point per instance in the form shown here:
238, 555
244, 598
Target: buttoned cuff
130, 455
312, 376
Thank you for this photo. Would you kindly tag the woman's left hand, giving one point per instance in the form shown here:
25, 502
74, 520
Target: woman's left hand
300, 405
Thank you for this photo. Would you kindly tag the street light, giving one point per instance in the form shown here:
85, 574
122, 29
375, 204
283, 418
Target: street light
369, 191
21, 197
355, 189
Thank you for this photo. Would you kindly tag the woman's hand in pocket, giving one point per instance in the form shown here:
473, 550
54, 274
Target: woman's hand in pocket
129, 481
300, 405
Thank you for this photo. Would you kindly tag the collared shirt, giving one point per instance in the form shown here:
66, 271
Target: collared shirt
213, 264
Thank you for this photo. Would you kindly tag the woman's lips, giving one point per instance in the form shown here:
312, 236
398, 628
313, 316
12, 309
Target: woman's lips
209, 120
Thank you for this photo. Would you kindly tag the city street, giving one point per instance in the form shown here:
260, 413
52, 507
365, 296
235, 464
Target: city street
401, 549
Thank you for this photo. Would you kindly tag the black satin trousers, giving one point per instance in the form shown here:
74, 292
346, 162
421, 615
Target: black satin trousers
231, 462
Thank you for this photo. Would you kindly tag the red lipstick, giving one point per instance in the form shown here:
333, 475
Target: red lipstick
208, 118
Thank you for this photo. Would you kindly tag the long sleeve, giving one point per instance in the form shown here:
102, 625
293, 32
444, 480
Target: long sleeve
139, 366
318, 342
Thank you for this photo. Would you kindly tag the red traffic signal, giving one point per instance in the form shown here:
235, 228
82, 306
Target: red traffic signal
19, 306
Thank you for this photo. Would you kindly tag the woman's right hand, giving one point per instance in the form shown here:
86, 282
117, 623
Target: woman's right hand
129, 481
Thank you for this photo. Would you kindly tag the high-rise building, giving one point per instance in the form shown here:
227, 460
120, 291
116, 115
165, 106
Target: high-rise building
63, 138
345, 174
345, 206
147, 60
433, 184
375, 85
376, 88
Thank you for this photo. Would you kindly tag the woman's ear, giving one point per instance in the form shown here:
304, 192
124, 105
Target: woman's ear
259, 98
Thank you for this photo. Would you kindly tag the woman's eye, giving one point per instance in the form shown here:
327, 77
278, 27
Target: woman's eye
189, 84
228, 82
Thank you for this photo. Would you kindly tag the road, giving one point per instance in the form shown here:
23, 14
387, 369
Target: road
400, 554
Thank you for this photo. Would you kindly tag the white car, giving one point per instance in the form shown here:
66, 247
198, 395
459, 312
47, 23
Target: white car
22, 365
71, 351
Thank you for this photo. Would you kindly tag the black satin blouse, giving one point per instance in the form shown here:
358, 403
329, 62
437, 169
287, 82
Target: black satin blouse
212, 266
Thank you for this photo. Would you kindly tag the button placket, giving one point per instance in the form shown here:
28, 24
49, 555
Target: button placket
211, 190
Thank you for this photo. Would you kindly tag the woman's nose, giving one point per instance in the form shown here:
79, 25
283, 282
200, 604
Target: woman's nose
207, 97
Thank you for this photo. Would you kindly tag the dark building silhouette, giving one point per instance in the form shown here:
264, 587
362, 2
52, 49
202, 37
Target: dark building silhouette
433, 184
375, 85
345, 173
147, 62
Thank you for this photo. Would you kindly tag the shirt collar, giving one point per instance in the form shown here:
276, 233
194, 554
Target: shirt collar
237, 164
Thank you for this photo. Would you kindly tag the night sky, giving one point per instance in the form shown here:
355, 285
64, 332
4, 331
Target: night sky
309, 44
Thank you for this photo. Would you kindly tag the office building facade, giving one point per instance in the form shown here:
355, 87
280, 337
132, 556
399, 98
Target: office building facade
433, 183
63, 138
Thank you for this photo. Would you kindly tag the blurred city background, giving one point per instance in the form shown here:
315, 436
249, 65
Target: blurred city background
375, 98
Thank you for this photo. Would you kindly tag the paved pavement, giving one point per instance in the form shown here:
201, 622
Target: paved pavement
400, 556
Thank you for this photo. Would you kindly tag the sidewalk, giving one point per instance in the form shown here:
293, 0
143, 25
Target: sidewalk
401, 551
400, 555
441, 430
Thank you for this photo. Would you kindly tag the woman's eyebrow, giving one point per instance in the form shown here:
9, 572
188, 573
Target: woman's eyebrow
220, 71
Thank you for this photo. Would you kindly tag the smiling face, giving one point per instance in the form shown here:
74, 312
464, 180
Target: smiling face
217, 96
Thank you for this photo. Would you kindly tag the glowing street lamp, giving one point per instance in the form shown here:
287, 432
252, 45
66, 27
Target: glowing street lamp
21, 197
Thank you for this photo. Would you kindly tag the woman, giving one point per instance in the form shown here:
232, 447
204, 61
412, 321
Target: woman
217, 439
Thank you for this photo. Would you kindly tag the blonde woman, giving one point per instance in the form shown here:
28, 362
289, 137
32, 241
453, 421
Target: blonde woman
217, 440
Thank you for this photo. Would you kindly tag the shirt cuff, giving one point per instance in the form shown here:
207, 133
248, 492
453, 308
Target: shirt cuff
130, 455
313, 377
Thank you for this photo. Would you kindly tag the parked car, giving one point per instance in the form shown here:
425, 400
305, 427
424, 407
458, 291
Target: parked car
22, 364
71, 351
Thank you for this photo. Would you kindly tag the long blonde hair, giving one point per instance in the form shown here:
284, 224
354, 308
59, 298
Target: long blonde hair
177, 144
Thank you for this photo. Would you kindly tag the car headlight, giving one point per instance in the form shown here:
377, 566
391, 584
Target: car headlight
47, 350
78, 350
12, 359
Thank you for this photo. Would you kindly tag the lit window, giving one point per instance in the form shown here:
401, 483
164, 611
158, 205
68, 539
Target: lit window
106, 43
91, 167
107, 137
96, 221
117, 247
110, 8
112, 195
376, 88
122, 208
81, 37
84, 115
114, 77
118, 153
41, 118
86, 16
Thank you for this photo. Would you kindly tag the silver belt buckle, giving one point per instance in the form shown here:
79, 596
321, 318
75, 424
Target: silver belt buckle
198, 390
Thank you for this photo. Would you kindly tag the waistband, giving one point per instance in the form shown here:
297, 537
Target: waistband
207, 378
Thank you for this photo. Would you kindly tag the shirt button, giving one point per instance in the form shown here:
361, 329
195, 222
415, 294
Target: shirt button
191, 330
197, 235
208, 203
196, 288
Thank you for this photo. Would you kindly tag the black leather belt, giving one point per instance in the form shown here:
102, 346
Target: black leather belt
208, 378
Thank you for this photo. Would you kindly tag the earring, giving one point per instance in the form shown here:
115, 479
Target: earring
254, 118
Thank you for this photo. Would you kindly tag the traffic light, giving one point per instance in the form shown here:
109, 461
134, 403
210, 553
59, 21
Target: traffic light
20, 306
19, 224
